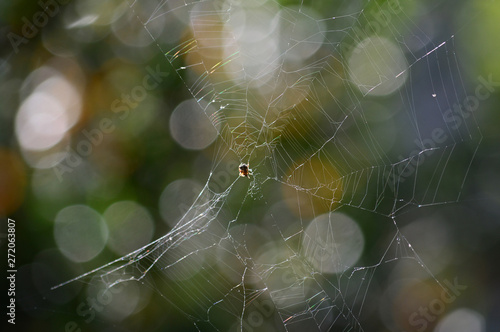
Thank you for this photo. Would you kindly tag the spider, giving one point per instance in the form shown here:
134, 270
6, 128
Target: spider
245, 171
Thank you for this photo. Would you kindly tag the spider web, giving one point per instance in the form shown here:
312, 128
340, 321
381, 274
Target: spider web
322, 101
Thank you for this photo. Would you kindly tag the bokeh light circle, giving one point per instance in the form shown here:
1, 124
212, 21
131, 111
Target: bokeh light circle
332, 242
41, 122
130, 226
377, 66
177, 198
80, 232
190, 125
462, 320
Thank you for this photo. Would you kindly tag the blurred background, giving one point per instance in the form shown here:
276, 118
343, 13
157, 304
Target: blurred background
102, 150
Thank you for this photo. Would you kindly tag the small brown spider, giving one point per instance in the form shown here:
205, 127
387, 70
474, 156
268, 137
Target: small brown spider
245, 171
